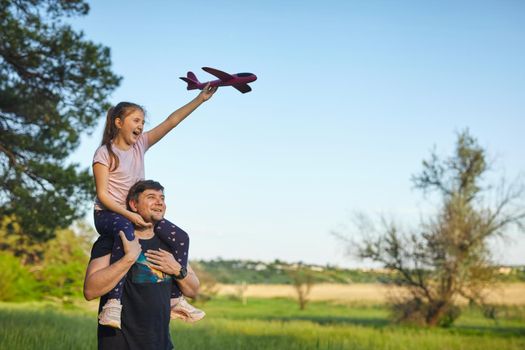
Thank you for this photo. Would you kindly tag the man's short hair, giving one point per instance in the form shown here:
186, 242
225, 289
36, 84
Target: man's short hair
140, 187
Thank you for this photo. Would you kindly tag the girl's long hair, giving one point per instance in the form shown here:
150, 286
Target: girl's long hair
121, 110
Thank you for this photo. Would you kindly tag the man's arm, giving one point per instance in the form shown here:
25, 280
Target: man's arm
164, 261
189, 285
101, 277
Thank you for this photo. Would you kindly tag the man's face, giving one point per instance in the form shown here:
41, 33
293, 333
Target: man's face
150, 205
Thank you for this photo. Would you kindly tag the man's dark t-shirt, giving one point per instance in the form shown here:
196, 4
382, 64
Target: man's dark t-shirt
145, 304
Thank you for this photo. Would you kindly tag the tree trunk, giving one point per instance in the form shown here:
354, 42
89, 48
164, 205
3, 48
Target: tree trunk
436, 312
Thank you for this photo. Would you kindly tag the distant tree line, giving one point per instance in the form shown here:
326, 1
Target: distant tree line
258, 272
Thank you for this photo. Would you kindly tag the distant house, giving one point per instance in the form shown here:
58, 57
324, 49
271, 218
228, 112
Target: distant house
505, 270
260, 267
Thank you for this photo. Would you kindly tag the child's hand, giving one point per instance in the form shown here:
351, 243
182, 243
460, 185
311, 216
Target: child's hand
138, 221
207, 92
132, 249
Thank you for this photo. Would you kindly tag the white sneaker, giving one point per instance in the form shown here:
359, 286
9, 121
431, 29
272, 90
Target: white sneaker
110, 314
181, 309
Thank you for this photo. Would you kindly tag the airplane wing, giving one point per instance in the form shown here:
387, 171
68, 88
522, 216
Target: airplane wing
218, 73
244, 88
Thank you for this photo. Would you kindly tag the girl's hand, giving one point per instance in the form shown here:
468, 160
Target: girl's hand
138, 221
207, 92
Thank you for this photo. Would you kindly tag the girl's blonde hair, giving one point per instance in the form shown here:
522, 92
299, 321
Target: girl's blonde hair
121, 111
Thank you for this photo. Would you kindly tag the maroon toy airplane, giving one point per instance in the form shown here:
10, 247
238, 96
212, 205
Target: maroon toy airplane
239, 81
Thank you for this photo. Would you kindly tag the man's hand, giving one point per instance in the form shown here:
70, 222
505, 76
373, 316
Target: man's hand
132, 249
102, 277
164, 261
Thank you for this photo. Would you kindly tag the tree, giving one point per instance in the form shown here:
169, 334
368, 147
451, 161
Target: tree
448, 258
16, 282
241, 290
302, 281
56, 275
64, 260
53, 86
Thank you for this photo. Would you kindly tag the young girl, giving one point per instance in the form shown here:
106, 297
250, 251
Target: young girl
117, 165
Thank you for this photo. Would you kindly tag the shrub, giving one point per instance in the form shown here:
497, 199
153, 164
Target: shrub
16, 282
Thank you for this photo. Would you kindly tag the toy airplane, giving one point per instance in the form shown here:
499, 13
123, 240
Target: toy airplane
239, 81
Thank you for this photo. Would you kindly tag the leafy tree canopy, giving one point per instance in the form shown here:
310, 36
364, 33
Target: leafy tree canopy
54, 85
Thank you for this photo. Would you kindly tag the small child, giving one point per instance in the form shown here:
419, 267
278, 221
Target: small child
117, 165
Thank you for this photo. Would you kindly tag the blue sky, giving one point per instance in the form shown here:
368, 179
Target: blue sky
351, 96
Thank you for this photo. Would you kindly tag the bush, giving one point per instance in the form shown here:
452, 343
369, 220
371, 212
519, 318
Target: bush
16, 282
418, 312
64, 265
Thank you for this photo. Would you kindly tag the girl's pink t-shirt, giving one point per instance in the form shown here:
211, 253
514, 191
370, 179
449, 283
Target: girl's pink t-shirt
129, 171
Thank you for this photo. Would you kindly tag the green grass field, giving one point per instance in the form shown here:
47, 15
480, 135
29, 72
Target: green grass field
268, 324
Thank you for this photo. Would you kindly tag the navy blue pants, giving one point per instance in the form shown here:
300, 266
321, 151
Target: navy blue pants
110, 223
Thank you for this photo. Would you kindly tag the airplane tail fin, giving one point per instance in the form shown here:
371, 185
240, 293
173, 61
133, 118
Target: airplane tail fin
192, 81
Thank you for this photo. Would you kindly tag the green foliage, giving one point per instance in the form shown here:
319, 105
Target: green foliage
16, 282
53, 87
258, 272
64, 265
13, 240
237, 271
59, 273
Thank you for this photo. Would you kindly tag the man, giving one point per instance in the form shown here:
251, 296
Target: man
149, 267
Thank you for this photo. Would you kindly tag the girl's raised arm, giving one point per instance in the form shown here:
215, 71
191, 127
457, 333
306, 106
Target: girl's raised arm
158, 132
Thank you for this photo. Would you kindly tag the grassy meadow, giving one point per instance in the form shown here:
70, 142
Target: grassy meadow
270, 323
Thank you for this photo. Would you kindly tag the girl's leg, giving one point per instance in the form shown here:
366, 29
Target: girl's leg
179, 242
110, 223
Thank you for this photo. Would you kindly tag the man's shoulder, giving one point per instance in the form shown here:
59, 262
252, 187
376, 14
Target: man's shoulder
102, 246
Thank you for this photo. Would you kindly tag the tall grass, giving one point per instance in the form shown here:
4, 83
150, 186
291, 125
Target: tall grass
268, 324
47, 326
254, 334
